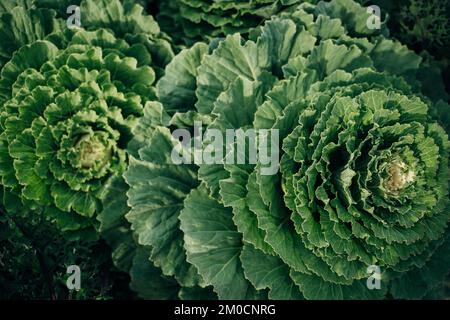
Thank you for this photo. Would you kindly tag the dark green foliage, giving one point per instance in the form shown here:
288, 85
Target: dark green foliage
34, 257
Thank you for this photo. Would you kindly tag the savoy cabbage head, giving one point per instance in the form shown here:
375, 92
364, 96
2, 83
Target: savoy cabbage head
69, 99
363, 176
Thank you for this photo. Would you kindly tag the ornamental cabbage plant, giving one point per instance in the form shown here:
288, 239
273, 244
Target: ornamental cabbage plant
69, 99
363, 178
190, 20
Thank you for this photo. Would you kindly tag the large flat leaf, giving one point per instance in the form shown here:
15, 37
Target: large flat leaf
213, 245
